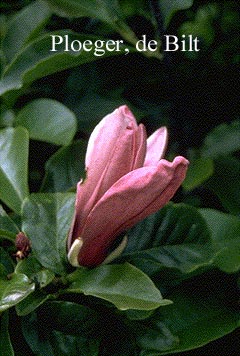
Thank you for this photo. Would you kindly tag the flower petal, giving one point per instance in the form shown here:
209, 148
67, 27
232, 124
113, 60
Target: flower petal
132, 198
105, 136
156, 146
116, 146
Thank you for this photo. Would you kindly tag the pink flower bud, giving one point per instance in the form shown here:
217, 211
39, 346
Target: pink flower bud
126, 181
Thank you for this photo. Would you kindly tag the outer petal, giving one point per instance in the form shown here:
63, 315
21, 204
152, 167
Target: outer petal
116, 146
156, 146
132, 198
106, 136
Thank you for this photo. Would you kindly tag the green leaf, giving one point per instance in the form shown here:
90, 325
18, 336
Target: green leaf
6, 262
7, 117
123, 285
84, 320
48, 120
175, 238
225, 234
6, 348
174, 224
13, 290
32, 302
202, 311
65, 168
8, 228
168, 8
201, 25
198, 172
34, 271
134, 314
14, 167
23, 26
156, 337
37, 60
44, 335
108, 11
225, 183
222, 140
46, 221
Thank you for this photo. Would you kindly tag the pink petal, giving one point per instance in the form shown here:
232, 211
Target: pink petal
106, 167
132, 198
156, 146
105, 135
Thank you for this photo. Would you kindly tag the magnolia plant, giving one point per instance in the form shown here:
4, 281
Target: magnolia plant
126, 180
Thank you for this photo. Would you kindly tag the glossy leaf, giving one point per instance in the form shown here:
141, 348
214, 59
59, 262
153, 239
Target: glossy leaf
48, 120
123, 285
65, 168
174, 224
201, 312
175, 238
6, 348
23, 26
225, 234
14, 289
14, 167
46, 221
37, 60
222, 140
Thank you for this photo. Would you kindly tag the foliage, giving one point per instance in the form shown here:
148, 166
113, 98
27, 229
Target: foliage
175, 287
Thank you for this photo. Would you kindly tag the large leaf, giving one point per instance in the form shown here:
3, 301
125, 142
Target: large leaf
225, 234
48, 120
14, 167
46, 221
123, 285
6, 348
23, 26
14, 289
65, 168
61, 328
203, 311
175, 238
222, 140
37, 60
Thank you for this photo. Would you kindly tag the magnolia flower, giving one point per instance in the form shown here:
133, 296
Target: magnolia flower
126, 180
